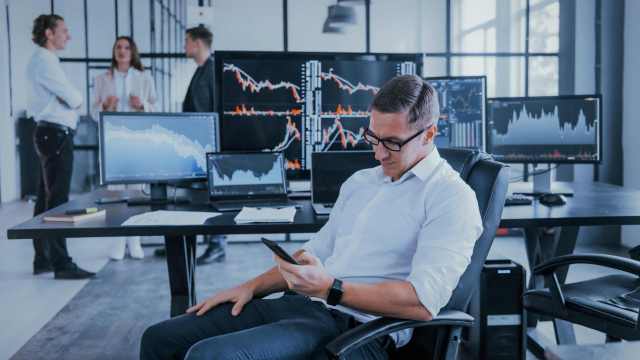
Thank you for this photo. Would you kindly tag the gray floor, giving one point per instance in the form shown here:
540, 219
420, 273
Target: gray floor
108, 314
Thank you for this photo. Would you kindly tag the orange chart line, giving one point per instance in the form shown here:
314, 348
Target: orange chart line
246, 81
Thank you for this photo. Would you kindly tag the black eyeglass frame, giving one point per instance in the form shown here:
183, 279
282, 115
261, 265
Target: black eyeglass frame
390, 145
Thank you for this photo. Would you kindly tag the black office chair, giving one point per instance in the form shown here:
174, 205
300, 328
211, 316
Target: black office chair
441, 337
608, 304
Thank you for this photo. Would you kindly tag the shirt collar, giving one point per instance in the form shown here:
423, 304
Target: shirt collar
422, 170
48, 52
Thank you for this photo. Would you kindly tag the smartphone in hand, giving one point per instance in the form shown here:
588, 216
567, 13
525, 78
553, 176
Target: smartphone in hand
279, 251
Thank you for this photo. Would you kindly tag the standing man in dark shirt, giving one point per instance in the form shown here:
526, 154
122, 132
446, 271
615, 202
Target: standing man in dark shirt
201, 98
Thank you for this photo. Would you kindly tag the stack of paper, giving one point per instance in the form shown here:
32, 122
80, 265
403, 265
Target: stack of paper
164, 217
265, 215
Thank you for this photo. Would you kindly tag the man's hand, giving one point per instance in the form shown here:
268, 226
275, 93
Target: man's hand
309, 278
135, 102
110, 103
240, 295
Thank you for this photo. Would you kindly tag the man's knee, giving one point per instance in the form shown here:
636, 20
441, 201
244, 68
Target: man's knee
220, 349
152, 338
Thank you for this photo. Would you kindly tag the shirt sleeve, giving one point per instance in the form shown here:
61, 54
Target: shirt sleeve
445, 246
52, 78
149, 103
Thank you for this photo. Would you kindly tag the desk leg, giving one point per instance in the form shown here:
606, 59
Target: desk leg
181, 256
543, 244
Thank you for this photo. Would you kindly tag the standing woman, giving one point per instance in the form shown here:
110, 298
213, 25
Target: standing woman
125, 86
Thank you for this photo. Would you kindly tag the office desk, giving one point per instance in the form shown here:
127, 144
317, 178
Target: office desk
548, 231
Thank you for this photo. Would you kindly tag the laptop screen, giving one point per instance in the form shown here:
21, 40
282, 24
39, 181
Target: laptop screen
330, 169
245, 174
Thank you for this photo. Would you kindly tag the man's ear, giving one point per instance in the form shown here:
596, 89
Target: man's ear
48, 33
430, 134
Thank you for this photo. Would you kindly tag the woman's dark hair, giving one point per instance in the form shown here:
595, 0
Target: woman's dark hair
135, 55
40, 26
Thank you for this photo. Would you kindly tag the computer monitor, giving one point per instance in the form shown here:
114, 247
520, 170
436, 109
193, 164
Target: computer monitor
256, 174
300, 103
462, 111
332, 168
544, 130
156, 148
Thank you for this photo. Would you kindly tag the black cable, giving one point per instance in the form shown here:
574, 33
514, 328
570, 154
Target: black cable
520, 178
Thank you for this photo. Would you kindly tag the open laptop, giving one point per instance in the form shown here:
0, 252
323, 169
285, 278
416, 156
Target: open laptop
332, 168
238, 179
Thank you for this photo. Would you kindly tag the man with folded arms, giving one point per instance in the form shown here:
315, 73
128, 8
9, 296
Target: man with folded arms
54, 104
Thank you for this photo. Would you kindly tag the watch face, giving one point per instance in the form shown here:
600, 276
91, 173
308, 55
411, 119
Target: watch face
335, 293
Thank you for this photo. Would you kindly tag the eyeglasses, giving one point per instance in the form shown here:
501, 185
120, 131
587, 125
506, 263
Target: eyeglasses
390, 145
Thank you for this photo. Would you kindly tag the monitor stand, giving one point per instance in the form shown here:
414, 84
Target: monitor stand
542, 184
158, 196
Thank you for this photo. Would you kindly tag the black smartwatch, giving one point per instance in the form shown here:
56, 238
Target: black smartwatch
335, 293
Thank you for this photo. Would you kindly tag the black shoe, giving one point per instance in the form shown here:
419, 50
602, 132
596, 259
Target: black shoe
160, 252
212, 254
73, 272
41, 269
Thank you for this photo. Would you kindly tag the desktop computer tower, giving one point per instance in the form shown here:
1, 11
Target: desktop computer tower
499, 331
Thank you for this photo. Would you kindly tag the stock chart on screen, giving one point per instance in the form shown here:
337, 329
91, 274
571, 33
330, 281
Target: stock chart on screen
462, 111
139, 147
545, 129
300, 104
245, 173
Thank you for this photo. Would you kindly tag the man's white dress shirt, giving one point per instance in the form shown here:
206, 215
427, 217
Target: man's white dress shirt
421, 228
48, 85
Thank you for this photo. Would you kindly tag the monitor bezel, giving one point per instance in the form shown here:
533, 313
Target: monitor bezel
541, 161
486, 97
150, 180
219, 57
256, 196
316, 154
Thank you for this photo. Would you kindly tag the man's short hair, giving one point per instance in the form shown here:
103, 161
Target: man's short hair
410, 94
201, 33
40, 26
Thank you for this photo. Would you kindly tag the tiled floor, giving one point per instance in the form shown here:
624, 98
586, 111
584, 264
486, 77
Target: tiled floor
28, 302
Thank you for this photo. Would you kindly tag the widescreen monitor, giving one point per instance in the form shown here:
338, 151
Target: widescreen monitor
462, 111
332, 168
300, 103
548, 129
156, 147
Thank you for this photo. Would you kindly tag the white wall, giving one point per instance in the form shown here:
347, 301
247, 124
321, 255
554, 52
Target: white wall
631, 121
8, 163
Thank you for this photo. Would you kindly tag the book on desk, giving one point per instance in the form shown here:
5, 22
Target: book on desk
73, 218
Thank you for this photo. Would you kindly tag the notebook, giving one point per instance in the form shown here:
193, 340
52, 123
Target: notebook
246, 179
62, 217
332, 168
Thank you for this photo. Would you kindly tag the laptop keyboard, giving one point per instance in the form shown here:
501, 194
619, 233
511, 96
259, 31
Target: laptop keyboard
230, 205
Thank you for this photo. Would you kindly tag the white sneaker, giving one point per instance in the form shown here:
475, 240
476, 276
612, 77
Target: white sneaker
135, 249
117, 252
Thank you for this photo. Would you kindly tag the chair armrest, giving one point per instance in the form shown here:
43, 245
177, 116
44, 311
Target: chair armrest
371, 330
610, 261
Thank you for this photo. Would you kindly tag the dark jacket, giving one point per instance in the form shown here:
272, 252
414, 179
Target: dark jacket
201, 95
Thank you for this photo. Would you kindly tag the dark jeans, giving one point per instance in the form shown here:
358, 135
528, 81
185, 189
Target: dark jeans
55, 150
214, 241
290, 327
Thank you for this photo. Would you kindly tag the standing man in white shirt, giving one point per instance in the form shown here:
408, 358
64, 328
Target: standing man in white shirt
54, 104
397, 241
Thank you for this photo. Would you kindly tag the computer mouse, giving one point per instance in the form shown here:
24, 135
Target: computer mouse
552, 199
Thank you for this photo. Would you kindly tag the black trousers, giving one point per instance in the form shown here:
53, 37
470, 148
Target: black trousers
55, 150
289, 327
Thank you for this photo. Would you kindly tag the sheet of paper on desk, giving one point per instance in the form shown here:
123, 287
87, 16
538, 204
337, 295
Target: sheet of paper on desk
165, 217
266, 214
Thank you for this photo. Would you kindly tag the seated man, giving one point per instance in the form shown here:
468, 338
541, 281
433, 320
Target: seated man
396, 243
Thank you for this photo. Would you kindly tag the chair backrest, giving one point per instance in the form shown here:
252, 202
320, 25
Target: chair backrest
489, 179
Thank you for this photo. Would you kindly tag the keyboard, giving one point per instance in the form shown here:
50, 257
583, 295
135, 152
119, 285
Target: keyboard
517, 199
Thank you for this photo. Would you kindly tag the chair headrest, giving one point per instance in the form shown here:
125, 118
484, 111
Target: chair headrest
463, 160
